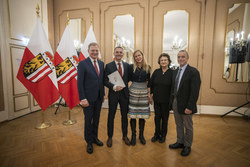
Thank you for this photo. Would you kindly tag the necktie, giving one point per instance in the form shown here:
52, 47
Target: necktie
177, 81
120, 69
97, 71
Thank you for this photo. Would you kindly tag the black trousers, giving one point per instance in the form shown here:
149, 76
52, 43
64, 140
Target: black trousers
92, 116
161, 118
114, 99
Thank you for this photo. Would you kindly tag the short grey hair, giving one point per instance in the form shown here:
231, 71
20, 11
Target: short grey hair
185, 52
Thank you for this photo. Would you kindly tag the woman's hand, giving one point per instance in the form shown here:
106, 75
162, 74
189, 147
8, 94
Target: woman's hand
150, 99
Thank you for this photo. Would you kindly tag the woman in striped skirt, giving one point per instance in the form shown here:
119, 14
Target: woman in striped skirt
139, 96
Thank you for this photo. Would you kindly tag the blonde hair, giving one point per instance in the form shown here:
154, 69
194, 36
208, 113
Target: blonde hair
145, 66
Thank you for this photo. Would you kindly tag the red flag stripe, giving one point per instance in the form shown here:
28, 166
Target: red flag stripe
66, 73
44, 70
81, 57
70, 75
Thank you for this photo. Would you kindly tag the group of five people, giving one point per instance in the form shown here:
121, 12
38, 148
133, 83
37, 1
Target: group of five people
168, 89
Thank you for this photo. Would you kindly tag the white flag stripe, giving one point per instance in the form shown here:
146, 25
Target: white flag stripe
41, 75
39, 38
66, 46
89, 38
68, 71
37, 71
70, 76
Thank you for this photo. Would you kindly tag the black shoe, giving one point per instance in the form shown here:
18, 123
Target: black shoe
89, 148
176, 145
186, 151
162, 139
154, 138
109, 142
142, 139
133, 140
126, 140
98, 142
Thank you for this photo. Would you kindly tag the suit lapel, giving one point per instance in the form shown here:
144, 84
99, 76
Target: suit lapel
114, 67
185, 74
124, 70
174, 75
89, 62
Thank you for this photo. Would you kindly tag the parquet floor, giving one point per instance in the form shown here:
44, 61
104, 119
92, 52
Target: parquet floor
218, 142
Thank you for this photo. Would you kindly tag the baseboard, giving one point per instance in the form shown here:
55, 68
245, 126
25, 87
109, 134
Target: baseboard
3, 116
220, 110
206, 109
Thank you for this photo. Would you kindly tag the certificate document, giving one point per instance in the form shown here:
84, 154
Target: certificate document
116, 79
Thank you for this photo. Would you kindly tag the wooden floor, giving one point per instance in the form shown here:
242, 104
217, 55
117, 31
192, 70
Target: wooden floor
222, 142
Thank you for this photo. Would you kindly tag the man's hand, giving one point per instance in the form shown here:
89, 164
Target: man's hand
84, 103
187, 111
118, 88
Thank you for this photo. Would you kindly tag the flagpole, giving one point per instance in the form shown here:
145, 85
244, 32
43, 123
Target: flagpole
67, 18
69, 122
44, 124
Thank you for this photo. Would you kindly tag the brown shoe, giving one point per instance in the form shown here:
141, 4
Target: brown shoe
109, 142
126, 140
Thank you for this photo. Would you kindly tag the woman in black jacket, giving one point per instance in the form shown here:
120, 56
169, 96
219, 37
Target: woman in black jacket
161, 81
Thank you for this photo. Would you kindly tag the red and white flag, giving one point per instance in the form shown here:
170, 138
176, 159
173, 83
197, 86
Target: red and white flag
89, 38
37, 72
66, 62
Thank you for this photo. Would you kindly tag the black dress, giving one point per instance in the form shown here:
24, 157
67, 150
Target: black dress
160, 87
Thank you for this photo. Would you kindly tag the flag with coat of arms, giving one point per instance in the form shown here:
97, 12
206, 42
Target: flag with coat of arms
89, 39
66, 62
36, 71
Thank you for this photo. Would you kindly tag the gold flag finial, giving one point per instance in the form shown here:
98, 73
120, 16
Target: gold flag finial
67, 18
37, 10
91, 21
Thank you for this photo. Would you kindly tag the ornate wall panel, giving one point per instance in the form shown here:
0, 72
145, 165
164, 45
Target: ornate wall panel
85, 14
22, 18
218, 84
194, 9
16, 54
21, 103
109, 10
216, 90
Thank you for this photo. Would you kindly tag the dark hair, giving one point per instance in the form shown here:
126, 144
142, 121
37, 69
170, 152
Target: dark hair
165, 55
93, 44
118, 47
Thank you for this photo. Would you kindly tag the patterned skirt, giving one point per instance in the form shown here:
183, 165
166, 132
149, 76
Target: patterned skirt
138, 101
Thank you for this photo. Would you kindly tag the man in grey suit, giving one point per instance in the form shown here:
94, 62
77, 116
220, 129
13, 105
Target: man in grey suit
117, 94
184, 95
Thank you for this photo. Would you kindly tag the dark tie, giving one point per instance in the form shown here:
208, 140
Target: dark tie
176, 82
120, 69
96, 69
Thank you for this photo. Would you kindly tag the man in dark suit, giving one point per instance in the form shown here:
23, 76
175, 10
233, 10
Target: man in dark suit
117, 94
185, 93
91, 93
